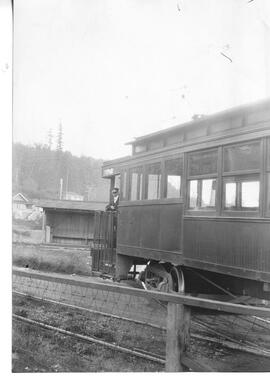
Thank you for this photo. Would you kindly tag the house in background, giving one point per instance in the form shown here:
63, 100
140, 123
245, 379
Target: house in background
67, 222
20, 202
21, 206
24, 209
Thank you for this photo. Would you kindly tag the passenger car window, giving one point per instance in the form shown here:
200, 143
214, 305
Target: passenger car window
242, 157
135, 183
208, 193
230, 195
242, 189
202, 193
173, 172
202, 163
139, 148
153, 181
117, 181
242, 193
193, 194
202, 190
250, 194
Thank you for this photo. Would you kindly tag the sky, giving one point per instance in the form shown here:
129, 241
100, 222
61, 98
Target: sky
109, 71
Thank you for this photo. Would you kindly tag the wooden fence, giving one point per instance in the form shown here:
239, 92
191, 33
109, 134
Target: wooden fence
178, 313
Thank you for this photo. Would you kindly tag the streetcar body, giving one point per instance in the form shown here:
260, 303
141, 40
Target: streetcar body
197, 196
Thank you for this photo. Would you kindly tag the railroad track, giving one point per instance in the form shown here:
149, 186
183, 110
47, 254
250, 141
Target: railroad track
226, 340
188, 360
189, 363
200, 329
138, 352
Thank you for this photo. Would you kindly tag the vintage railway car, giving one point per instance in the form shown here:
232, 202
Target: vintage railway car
195, 204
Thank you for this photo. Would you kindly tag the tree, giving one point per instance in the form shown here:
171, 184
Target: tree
59, 144
37, 172
50, 138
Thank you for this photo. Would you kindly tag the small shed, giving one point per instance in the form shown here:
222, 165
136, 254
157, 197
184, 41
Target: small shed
69, 222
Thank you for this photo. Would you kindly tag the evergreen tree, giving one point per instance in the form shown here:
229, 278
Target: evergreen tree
37, 173
59, 144
50, 138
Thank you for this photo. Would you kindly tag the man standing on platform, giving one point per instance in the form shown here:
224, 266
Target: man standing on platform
113, 206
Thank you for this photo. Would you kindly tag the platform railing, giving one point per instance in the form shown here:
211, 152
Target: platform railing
104, 243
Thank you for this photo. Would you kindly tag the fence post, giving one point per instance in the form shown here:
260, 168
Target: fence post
178, 333
47, 234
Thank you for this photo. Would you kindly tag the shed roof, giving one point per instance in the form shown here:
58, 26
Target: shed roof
72, 205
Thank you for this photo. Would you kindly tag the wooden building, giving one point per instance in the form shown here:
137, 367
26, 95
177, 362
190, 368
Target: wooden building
69, 222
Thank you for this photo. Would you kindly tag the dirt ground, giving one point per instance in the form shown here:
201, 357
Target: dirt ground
40, 350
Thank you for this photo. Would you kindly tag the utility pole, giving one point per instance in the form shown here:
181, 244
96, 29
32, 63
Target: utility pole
67, 182
61, 189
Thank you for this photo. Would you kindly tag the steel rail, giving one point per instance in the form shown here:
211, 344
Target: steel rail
89, 310
187, 360
226, 340
231, 343
89, 339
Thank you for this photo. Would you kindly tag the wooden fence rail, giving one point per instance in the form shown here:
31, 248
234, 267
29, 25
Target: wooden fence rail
176, 298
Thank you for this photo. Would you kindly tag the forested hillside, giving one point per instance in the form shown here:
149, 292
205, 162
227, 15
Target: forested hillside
37, 171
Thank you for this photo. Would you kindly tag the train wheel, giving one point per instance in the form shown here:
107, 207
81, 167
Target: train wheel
178, 282
163, 278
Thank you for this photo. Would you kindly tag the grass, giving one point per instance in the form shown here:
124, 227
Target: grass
40, 350
36, 257
25, 224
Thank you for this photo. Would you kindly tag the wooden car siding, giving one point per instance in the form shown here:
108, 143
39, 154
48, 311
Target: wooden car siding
154, 226
240, 243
